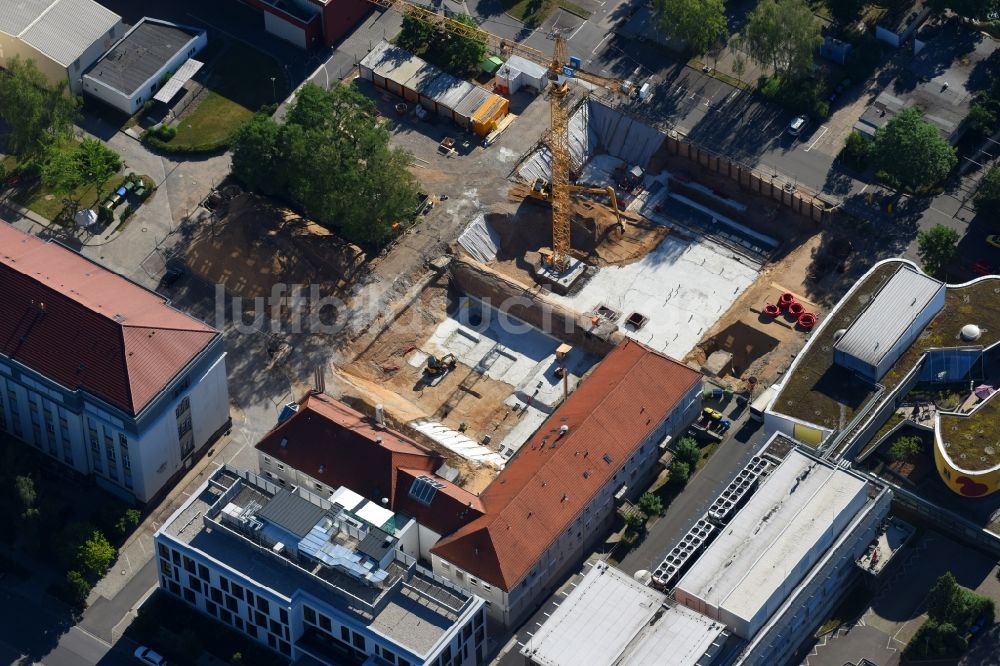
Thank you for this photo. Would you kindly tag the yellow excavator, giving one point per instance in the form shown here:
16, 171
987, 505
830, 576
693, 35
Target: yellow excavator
541, 189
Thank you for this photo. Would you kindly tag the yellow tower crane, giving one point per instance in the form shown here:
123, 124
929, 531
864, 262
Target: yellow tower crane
558, 140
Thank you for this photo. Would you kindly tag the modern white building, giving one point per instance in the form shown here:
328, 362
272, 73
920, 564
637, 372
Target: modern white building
610, 619
101, 374
152, 61
304, 576
62, 37
752, 591
782, 562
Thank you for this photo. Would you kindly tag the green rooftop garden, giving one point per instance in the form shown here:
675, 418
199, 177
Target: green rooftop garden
973, 441
820, 392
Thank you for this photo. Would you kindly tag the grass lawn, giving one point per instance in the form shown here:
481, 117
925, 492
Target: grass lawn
50, 205
534, 12
239, 84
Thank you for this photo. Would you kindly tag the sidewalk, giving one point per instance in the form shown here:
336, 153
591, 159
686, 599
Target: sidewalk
9, 209
114, 600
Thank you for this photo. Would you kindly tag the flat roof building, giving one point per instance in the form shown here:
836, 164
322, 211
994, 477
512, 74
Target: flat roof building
136, 67
889, 323
610, 619
302, 576
770, 545
62, 37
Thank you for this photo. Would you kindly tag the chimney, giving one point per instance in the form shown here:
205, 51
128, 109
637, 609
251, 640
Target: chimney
379, 416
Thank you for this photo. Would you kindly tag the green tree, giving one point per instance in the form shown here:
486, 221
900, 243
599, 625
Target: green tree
782, 34
128, 521
61, 172
97, 164
845, 11
857, 150
96, 554
237, 659
982, 119
697, 23
650, 504
635, 522
905, 448
255, 154
973, 9
460, 54
29, 515
416, 35
332, 159
935, 639
37, 113
936, 247
77, 588
911, 152
988, 196
688, 451
679, 474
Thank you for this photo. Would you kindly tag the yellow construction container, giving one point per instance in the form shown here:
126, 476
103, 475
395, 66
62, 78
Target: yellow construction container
486, 117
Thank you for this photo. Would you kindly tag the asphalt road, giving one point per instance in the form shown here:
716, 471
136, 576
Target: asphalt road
695, 499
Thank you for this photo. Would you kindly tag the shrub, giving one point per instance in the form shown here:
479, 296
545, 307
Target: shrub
805, 95
128, 521
935, 640
679, 473
126, 213
905, 448
650, 504
988, 197
688, 451
856, 151
76, 589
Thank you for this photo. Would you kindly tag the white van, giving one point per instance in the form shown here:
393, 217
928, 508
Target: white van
761, 402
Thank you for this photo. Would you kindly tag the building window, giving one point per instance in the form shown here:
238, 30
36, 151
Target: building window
284, 648
359, 641
237, 591
251, 630
424, 489
188, 596
345, 634
326, 625
263, 605
232, 604
203, 573
283, 615
109, 449
274, 627
195, 584
215, 594
212, 609
225, 616
309, 614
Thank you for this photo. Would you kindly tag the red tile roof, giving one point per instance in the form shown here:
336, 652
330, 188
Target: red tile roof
88, 328
543, 489
327, 434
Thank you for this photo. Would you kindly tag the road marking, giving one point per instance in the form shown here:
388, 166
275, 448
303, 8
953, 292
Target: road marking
816, 140
601, 43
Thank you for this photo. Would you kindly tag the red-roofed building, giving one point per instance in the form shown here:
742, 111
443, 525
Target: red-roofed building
556, 497
551, 502
325, 445
101, 373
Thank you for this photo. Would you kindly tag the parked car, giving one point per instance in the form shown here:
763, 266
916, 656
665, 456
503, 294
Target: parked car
994, 240
148, 656
173, 275
797, 125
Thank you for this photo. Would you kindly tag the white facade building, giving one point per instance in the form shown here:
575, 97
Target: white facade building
129, 392
302, 576
62, 37
135, 69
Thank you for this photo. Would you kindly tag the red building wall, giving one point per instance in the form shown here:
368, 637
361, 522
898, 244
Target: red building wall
340, 17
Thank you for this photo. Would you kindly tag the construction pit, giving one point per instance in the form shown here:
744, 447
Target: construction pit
689, 275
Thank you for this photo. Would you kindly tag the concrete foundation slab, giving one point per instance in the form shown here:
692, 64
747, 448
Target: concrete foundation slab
560, 281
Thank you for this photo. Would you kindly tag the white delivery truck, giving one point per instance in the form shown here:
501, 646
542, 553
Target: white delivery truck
761, 402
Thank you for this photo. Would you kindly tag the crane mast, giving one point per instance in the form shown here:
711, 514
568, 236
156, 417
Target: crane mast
559, 147
558, 140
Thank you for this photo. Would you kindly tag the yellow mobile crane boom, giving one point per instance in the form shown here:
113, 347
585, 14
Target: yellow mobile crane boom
558, 140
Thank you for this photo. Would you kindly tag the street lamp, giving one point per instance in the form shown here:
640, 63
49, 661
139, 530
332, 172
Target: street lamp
274, 96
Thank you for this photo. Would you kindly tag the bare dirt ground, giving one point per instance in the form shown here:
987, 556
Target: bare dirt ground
254, 243
595, 236
463, 397
763, 347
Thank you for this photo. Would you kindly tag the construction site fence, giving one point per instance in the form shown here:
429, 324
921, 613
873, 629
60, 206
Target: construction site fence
759, 180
